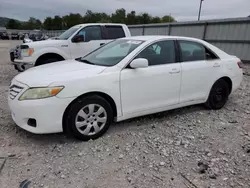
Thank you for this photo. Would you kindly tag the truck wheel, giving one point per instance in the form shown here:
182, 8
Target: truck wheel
47, 61
20, 68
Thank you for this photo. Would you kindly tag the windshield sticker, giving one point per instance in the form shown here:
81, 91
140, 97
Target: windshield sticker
134, 42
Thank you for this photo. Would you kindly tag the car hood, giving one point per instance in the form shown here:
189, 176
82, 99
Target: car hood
47, 43
59, 72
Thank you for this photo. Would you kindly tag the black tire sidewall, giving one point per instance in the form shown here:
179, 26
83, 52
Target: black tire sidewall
212, 104
47, 61
77, 106
17, 67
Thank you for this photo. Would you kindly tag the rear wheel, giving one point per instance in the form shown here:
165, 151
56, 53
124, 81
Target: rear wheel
89, 118
218, 95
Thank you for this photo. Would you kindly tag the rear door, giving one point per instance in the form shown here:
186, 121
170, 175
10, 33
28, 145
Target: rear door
200, 68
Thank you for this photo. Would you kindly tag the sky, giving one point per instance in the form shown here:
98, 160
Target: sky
181, 10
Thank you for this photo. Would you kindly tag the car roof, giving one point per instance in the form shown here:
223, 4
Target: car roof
159, 37
87, 24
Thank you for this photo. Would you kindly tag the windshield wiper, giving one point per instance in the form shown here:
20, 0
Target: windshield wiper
85, 61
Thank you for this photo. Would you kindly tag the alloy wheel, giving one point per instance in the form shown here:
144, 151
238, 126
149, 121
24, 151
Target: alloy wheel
91, 119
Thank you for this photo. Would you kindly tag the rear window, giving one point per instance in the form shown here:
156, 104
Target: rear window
114, 32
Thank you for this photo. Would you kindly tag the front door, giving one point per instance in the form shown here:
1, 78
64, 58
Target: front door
156, 86
92, 39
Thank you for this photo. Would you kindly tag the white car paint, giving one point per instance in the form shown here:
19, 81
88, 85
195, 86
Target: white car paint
136, 92
66, 48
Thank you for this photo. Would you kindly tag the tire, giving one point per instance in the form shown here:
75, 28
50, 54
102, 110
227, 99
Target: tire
89, 126
47, 61
20, 68
218, 96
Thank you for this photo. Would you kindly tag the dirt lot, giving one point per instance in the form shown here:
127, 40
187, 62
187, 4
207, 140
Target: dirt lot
185, 148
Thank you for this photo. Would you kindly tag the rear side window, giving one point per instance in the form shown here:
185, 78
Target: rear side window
114, 32
192, 51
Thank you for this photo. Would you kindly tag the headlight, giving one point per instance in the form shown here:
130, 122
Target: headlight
40, 93
27, 52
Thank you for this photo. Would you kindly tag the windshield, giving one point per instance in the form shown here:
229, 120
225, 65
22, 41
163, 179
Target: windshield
66, 34
112, 53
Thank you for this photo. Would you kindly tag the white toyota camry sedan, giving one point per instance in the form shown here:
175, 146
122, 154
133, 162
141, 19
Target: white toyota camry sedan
126, 78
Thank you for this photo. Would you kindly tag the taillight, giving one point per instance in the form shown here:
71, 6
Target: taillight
240, 64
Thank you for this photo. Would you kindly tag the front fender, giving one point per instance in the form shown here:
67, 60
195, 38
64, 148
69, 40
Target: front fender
107, 84
43, 51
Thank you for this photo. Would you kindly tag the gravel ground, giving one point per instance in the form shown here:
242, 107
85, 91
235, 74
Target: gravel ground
185, 148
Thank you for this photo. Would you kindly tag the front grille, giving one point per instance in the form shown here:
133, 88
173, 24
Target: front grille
14, 91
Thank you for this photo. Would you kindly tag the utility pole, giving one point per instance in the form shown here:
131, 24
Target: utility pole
199, 16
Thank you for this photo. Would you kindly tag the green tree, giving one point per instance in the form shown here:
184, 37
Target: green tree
57, 23
88, 17
119, 16
91, 17
71, 20
167, 18
131, 18
103, 18
156, 20
13, 24
65, 20
32, 23
144, 18
48, 23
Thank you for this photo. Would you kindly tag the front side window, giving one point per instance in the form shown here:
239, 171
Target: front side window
159, 53
192, 51
65, 35
90, 33
111, 53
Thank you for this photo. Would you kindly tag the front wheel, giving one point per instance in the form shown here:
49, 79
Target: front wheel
218, 95
47, 61
20, 68
89, 118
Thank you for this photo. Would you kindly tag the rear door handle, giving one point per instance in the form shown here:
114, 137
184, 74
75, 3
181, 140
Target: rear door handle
102, 44
174, 71
216, 65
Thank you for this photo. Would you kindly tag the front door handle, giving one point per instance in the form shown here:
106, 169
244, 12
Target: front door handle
174, 71
102, 44
216, 65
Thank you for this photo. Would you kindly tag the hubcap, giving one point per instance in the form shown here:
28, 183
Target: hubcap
91, 119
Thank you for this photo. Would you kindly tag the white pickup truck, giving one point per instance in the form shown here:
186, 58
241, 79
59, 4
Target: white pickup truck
76, 42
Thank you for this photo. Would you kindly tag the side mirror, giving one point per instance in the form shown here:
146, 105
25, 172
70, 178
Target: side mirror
139, 63
78, 38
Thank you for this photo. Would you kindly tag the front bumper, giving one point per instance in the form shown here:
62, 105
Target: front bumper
15, 57
48, 113
20, 64
25, 61
15, 53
